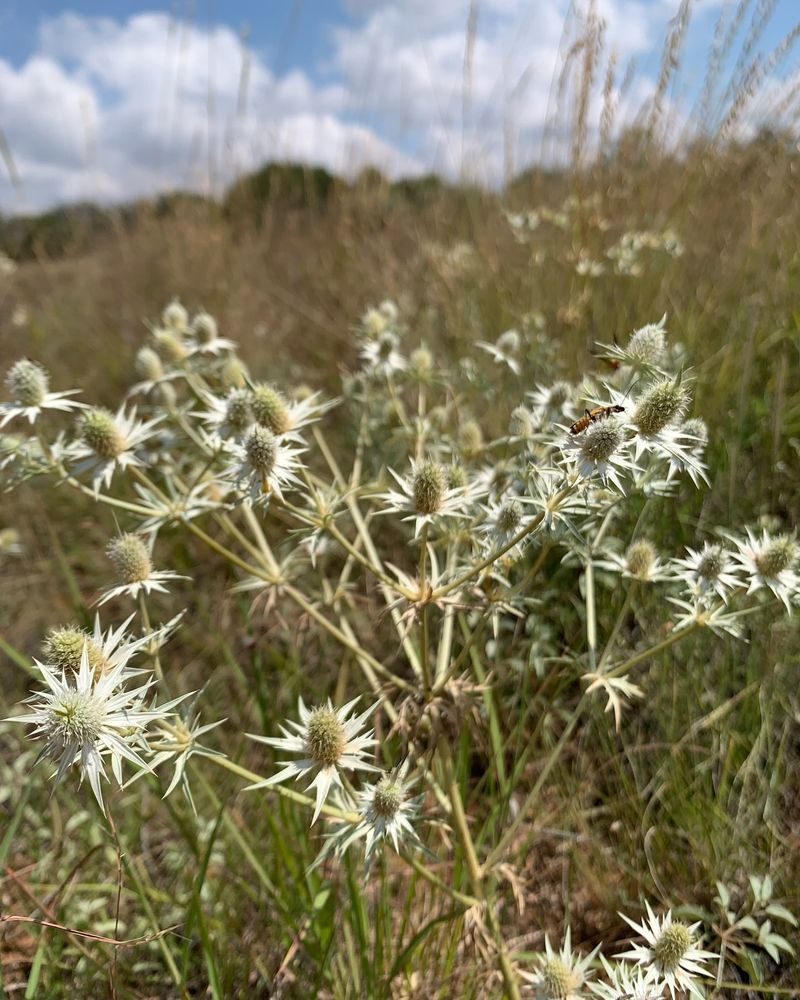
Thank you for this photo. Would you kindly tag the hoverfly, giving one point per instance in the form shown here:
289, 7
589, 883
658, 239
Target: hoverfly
591, 416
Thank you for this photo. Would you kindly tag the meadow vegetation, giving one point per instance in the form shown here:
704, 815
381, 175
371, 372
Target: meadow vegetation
350, 472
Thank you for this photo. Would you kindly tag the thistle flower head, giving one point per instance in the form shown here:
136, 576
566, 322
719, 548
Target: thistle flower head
429, 486
558, 980
100, 431
711, 563
770, 562
697, 428
670, 951
175, 317
261, 449
470, 438
521, 422
169, 345
325, 736
455, 476
420, 362
602, 438
648, 345
663, 403
329, 740
640, 558
509, 517
130, 557
204, 327
63, 648
233, 373
270, 408
148, 365
778, 555
238, 411
27, 382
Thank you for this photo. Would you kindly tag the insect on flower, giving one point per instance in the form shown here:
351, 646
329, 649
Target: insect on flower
598, 413
591, 416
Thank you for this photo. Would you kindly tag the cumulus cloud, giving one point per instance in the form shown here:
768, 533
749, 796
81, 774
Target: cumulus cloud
108, 109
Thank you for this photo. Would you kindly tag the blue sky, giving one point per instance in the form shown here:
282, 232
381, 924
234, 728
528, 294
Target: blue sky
108, 101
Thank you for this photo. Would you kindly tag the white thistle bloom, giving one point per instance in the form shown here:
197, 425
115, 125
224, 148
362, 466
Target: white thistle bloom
107, 651
330, 740
707, 572
769, 561
387, 812
425, 495
227, 416
628, 982
671, 950
504, 519
265, 464
271, 409
205, 336
560, 975
717, 619
381, 355
109, 442
602, 450
28, 383
505, 350
83, 718
639, 562
175, 317
646, 347
131, 558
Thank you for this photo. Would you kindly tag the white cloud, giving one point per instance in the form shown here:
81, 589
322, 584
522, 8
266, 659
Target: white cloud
110, 109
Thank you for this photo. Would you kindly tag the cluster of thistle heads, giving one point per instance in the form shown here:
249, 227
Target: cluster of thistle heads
475, 473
